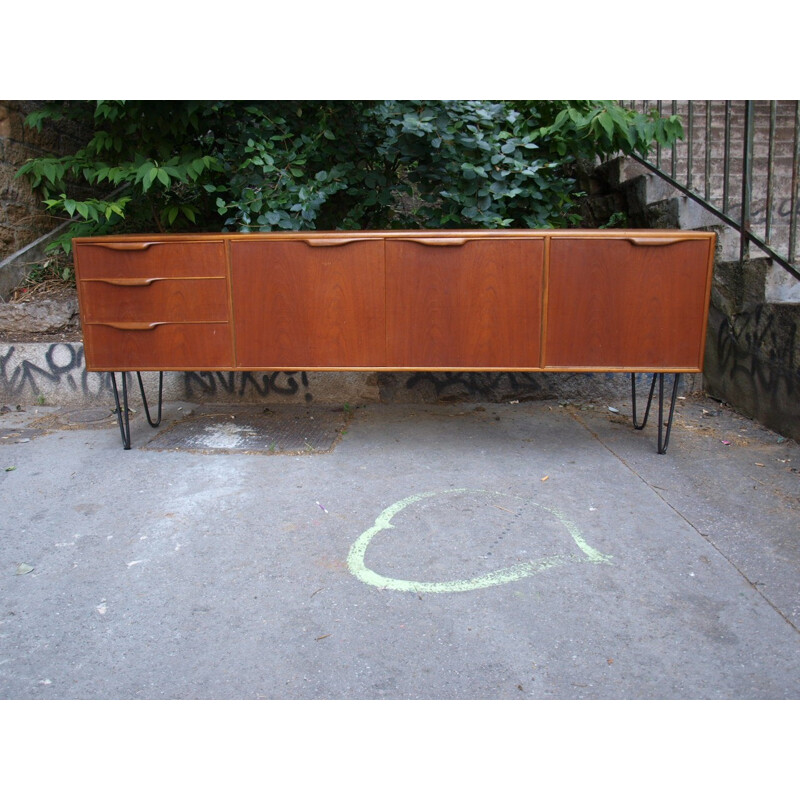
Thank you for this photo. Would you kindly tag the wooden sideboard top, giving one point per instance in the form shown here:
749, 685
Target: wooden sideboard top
635, 235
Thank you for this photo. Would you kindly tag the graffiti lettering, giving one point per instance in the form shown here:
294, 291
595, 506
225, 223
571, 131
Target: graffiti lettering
63, 367
487, 385
209, 384
498, 387
63, 364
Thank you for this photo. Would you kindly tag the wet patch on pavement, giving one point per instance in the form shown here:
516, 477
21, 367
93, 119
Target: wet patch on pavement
279, 430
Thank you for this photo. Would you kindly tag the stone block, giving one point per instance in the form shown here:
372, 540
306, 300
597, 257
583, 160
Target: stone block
42, 316
12, 124
781, 286
627, 169
5, 121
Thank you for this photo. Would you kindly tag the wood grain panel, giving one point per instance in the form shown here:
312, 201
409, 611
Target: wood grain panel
170, 346
623, 303
155, 259
300, 306
468, 303
167, 300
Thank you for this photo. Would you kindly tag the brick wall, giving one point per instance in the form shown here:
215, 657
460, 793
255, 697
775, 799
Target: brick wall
22, 214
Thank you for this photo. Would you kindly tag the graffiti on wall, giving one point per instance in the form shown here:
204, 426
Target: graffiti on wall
499, 387
212, 384
486, 385
781, 211
61, 368
759, 347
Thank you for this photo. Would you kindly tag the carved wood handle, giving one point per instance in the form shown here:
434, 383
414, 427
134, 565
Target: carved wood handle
126, 281
652, 241
125, 245
331, 242
132, 326
438, 242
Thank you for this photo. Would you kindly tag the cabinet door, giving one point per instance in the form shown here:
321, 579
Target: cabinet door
461, 303
629, 303
308, 303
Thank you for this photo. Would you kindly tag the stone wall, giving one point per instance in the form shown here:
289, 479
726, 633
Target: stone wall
22, 214
753, 348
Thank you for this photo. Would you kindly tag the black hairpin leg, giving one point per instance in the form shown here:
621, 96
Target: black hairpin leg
144, 398
122, 410
663, 433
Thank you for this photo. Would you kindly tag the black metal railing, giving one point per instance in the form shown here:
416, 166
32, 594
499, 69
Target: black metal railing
740, 160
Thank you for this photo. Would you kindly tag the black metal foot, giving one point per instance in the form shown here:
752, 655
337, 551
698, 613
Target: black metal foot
663, 433
122, 410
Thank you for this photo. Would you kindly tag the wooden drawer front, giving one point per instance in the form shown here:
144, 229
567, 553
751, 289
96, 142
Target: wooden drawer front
465, 303
167, 346
299, 304
154, 300
627, 303
155, 259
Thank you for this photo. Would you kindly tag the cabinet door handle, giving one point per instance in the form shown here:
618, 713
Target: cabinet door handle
652, 241
132, 326
437, 242
331, 242
126, 281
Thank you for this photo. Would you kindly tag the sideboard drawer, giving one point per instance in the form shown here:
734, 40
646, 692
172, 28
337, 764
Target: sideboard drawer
150, 259
154, 299
157, 346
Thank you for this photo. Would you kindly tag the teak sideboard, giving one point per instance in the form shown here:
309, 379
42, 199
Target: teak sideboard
484, 300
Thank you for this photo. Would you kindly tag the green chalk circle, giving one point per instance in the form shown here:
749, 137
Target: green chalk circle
355, 559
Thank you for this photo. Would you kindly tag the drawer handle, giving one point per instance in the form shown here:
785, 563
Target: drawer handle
443, 242
331, 242
132, 326
125, 245
126, 281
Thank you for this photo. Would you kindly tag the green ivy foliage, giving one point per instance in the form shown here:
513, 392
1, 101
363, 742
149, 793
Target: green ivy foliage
299, 165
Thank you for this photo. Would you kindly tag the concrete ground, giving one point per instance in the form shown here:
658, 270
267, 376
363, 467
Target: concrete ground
495, 551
